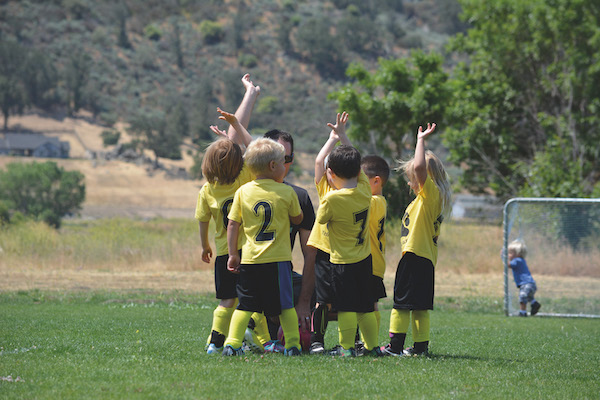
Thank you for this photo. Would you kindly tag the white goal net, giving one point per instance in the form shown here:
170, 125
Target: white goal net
562, 237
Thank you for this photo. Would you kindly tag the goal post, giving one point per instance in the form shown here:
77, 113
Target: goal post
562, 236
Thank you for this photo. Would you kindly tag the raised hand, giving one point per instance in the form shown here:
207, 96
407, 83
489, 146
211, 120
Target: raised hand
218, 131
226, 116
339, 129
249, 85
429, 130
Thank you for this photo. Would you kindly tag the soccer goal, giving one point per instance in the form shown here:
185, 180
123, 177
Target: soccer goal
563, 254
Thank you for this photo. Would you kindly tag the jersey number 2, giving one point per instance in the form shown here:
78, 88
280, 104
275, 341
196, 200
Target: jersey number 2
264, 235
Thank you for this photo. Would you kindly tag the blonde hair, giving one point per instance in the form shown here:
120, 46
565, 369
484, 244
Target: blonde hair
517, 247
222, 162
437, 172
261, 152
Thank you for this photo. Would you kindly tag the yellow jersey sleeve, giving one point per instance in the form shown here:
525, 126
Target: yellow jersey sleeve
319, 235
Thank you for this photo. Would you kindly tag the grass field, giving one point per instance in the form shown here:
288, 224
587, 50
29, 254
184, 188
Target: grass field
139, 344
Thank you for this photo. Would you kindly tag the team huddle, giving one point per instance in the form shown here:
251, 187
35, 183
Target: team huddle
267, 307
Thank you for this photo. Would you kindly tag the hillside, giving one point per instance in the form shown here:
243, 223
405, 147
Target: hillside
125, 59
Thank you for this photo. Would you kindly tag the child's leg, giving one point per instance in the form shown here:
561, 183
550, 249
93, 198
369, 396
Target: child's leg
221, 321
239, 322
289, 324
368, 327
261, 328
399, 321
420, 329
347, 322
319, 323
377, 316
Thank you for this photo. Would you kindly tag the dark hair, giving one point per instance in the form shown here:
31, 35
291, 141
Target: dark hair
276, 134
374, 166
344, 161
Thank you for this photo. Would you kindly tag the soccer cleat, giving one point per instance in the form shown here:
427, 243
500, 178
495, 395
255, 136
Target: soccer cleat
230, 351
535, 307
316, 348
360, 348
292, 352
410, 351
274, 346
387, 351
213, 349
340, 351
251, 340
376, 352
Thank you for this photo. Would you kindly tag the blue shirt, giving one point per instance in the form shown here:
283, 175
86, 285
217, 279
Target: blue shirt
521, 271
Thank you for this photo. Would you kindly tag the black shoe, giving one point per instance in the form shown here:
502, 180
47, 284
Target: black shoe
316, 348
535, 307
410, 351
360, 348
387, 351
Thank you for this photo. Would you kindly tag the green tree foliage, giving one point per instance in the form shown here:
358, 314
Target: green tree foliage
387, 106
43, 191
526, 110
76, 75
151, 128
211, 31
13, 91
316, 42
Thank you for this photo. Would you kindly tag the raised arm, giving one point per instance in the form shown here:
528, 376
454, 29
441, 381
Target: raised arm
420, 164
236, 132
338, 133
243, 113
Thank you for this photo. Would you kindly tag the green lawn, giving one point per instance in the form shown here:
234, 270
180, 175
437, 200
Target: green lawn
149, 345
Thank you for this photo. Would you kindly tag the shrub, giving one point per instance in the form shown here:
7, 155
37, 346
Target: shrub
110, 137
153, 32
212, 32
43, 191
247, 60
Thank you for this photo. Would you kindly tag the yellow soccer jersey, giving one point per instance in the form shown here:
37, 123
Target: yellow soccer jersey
214, 200
319, 235
377, 233
264, 208
346, 213
421, 223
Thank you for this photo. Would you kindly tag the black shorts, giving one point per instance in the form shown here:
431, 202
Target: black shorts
225, 280
352, 286
266, 288
323, 279
377, 288
414, 284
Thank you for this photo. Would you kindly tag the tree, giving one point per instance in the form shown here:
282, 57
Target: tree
151, 128
43, 191
387, 106
13, 93
317, 44
528, 98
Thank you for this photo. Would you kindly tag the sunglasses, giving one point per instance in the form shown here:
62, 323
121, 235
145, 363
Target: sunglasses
288, 159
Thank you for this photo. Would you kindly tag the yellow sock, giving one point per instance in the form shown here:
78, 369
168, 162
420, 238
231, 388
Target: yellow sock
420, 326
399, 321
237, 328
378, 317
289, 323
347, 322
221, 320
261, 328
367, 323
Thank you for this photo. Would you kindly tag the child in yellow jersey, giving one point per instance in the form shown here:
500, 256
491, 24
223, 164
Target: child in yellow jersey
345, 210
378, 172
262, 210
223, 167
414, 284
